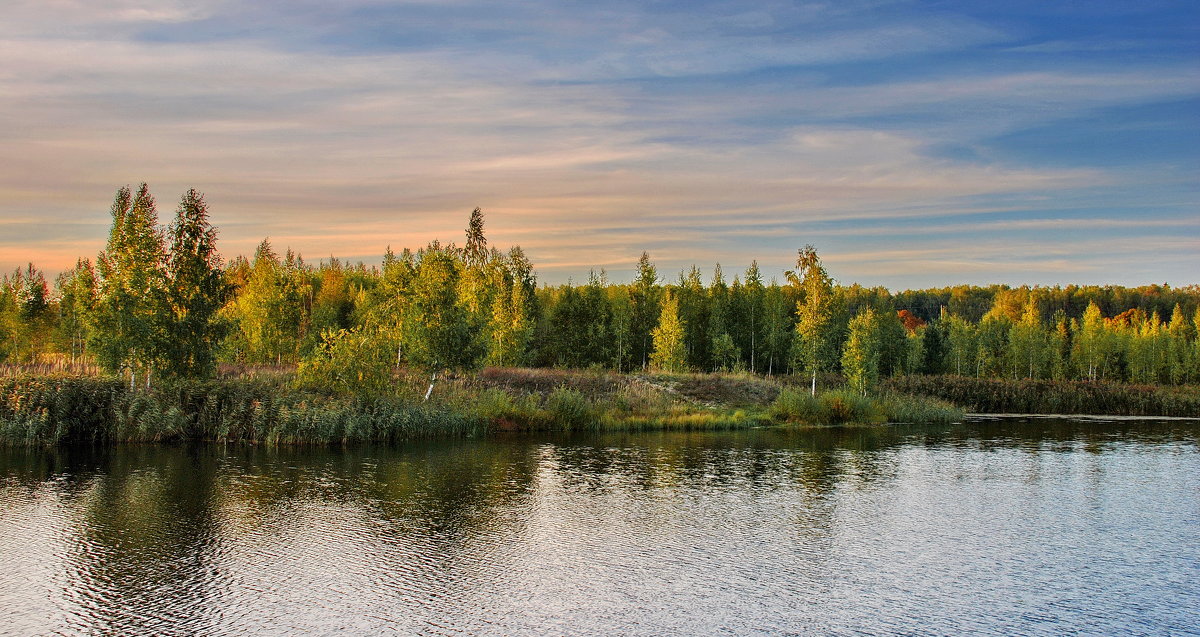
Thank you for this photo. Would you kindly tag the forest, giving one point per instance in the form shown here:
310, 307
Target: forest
161, 302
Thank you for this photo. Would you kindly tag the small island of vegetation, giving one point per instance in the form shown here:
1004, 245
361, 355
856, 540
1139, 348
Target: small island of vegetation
161, 339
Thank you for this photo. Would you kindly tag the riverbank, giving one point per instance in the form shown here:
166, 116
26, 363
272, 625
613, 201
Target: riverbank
271, 407
991, 395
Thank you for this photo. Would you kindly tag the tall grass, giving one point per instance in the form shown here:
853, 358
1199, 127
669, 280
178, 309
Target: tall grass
55, 410
986, 395
845, 406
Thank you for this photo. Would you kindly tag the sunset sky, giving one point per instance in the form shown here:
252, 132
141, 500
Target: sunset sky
913, 143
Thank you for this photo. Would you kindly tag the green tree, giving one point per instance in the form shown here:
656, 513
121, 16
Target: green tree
437, 330
860, 358
694, 312
352, 361
777, 326
1179, 347
195, 291
77, 302
621, 327
266, 310
991, 353
1029, 344
670, 351
1095, 345
644, 297
753, 296
131, 281
961, 344
914, 349
814, 329
1060, 347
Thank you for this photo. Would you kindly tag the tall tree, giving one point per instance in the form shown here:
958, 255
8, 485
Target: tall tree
476, 250
77, 302
860, 358
752, 305
1179, 350
437, 332
777, 326
644, 296
1029, 344
195, 291
131, 281
694, 312
814, 311
670, 351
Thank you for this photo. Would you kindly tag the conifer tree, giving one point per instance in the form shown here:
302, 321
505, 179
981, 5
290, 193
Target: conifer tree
694, 312
621, 327
644, 297
475, 250
195, 292
752, 307
777, 326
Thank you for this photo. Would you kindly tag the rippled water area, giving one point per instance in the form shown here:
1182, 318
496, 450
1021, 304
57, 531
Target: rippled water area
1008, 528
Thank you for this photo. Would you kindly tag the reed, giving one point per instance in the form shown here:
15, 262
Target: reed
57, 410
847, 407
989, 395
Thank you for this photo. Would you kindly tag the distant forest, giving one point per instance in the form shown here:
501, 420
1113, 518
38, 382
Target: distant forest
161, 301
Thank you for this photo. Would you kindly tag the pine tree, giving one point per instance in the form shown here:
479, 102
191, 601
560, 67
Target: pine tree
694, 312
644, 296
475, 250
195, 292
777, 326
752, 305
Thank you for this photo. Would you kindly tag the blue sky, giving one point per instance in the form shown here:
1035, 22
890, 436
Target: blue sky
914, 143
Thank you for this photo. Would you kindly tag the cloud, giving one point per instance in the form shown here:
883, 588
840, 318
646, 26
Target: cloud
587, 135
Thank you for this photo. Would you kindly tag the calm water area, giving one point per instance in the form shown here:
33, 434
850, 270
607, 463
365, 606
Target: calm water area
1035, 527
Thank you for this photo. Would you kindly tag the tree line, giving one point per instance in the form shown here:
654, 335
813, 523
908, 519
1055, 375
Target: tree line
159, 300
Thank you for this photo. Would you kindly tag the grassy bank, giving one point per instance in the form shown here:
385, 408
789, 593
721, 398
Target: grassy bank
847, 407
983, 395
272, 408
54, 410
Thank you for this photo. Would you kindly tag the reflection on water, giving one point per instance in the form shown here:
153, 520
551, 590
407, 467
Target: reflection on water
1003, 527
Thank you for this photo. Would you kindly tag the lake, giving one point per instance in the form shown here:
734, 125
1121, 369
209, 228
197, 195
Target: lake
1007, 527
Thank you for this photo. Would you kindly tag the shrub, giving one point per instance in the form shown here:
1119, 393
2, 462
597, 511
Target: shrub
568, 408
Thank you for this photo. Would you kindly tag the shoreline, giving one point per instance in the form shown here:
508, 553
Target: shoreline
278, 409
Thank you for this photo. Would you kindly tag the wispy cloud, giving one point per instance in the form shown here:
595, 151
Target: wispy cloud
700, 132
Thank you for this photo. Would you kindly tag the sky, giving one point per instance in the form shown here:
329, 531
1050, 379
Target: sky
915, 144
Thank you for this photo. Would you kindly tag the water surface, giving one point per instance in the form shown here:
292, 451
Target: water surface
1008, 527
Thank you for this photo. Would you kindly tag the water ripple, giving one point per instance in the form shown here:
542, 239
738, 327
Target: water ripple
999, 529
